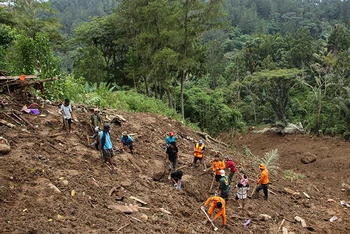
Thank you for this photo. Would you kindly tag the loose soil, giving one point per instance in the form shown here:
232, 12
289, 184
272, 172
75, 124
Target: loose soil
53, 182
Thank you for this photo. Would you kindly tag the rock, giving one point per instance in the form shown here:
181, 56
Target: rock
65, 182
158, 170
264, 217
5, 148
126, 183
308, 158
301, 220
284, 230
144, 217
54, 188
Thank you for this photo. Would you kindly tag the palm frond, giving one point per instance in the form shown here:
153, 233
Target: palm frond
270, 160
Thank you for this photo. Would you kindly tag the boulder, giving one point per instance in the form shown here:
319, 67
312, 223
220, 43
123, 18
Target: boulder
5, 148
308, 158
264, 217
158, 170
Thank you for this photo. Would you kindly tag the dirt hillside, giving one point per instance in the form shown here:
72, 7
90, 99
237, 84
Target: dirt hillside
53, 182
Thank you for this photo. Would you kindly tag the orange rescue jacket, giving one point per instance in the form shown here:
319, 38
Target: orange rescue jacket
217, 166
198, 151
264, 176
221, 211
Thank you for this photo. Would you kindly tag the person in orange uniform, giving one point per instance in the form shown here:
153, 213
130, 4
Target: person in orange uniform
216, 202
263, 181
198, 154
217, 166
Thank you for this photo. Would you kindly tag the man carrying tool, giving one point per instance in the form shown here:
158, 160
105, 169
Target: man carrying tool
170, 138
106, 146
216, 202
198, 154
263, 181
217, 165
231, 166
127, 141
171, 155
66, 111
224, 185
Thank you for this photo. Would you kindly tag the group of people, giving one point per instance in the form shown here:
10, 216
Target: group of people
218, 201
104, 143
102, 138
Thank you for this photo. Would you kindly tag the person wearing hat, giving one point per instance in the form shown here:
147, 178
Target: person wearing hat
263, 181
198, 154
66, 110
224, 185
216, 202
106, 145
231, 166
217, 165
170, 138
127, 141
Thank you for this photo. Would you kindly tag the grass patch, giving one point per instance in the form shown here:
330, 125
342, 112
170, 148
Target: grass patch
290, 175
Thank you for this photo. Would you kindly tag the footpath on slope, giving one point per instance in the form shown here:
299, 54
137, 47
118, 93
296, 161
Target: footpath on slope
52, 182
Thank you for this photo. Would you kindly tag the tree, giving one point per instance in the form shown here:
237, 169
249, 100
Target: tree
274, 86
302, 50
339, 40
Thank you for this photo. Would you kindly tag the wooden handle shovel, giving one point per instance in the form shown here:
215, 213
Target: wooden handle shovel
214, 227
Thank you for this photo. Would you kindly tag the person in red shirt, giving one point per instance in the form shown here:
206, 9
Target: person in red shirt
231, 166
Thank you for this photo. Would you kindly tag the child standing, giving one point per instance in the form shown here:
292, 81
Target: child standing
66, 111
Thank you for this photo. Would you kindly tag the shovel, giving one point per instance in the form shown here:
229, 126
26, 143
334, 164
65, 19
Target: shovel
214, 227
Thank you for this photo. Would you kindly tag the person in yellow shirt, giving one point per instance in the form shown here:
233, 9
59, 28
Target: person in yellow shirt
217, 165
216, 202
263, 181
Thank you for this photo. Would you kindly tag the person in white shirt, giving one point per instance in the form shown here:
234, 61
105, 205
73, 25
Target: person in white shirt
66, 110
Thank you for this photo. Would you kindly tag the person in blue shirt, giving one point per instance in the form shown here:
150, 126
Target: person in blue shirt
170, 138
106, 145
127, 141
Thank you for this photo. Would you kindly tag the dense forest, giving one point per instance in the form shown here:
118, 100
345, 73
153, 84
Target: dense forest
223, 64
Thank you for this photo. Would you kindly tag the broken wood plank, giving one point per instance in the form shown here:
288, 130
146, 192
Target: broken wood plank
181, 167
133, 162
164, 211
306, 195
279, 228
270, 191
17, 77
114, 189
290, 191
136, 219
209, 138
124, 209
11, 118
138, 200
123, 227
315, 188
4, 122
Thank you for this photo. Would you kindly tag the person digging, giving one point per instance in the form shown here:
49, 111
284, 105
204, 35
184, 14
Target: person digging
106, 146
176, 179
127, 141
216, 203
263, 182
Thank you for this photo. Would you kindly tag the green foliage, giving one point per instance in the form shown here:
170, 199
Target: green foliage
290, 175
270, 160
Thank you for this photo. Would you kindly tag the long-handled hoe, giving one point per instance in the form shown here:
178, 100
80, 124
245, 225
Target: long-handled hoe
214, 227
